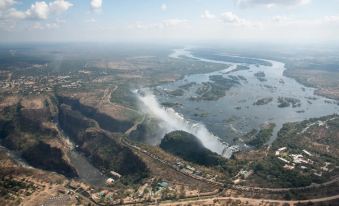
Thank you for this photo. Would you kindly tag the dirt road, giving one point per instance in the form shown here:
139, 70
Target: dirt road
244, 200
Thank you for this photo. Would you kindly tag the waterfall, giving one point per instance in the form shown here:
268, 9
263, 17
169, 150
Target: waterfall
170, 120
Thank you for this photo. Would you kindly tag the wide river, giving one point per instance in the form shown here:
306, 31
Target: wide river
235, 114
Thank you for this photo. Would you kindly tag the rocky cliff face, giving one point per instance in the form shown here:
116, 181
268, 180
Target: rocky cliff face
102, 148
43, 156
27, 128
105, 121
189, 147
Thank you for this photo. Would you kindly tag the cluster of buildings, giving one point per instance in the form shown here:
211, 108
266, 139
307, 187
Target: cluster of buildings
38, 84
303, 161
242, 175
193, 172
186, 168
148, 192
105, 196
111, 180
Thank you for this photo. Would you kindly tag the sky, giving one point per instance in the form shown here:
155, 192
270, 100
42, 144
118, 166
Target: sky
292, 21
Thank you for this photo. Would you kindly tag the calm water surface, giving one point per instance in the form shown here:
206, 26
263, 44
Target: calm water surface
235, 114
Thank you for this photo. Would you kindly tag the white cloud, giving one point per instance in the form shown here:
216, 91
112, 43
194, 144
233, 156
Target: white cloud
15, 14
44, 26
163, 7
5, 4
37, 26
174, 22
230, 18
271, 3
208, 15
168, 23
60, 6
233, 19
38, 10
96, 4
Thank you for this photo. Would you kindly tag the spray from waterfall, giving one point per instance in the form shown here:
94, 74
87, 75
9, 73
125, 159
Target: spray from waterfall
169, 120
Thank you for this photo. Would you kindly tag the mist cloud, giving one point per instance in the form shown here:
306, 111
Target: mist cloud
170, 120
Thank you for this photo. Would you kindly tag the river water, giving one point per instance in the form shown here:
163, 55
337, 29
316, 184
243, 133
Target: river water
86, 171
235, 114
